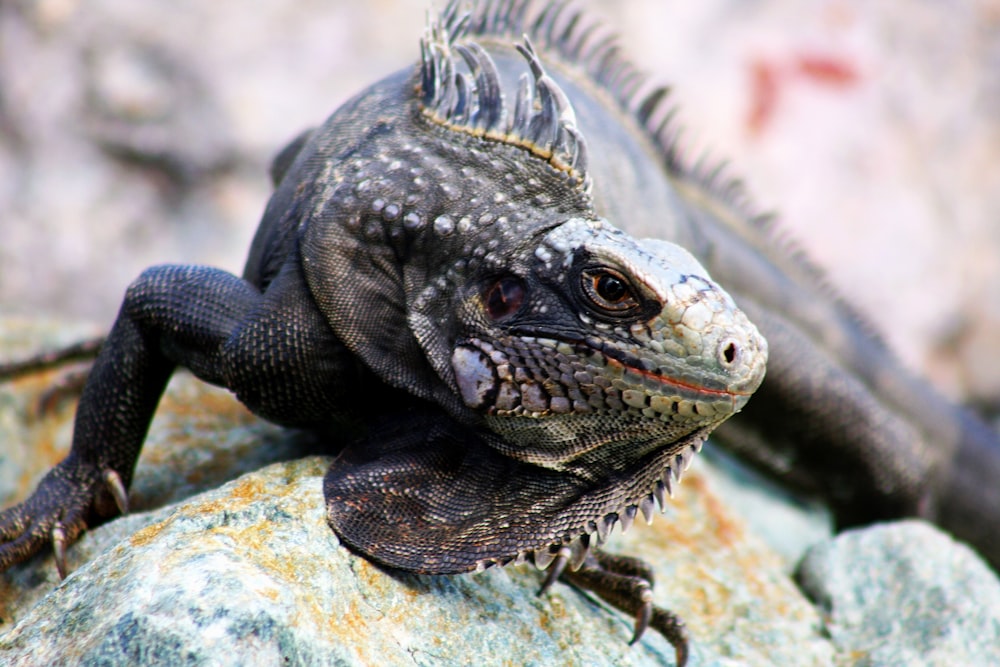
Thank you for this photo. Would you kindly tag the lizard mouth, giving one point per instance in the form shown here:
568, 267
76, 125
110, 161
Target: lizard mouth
616, 357
526, 376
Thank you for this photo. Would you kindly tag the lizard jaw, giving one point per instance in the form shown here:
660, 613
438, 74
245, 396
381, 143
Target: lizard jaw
572, 405
537, 378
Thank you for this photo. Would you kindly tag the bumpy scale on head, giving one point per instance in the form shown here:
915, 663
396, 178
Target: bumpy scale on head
651, 352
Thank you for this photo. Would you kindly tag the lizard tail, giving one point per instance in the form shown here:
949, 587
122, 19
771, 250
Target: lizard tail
969, 500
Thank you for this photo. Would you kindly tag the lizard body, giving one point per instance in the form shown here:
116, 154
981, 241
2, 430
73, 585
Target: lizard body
432, 269
437, 259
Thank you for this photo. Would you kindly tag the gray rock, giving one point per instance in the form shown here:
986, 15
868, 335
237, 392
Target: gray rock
249, 573
789, 522
905, 594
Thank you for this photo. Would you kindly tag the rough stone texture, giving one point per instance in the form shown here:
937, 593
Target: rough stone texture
905, 594
788, 522
249, 573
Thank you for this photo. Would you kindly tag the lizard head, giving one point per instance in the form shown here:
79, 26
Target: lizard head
583, 368
597, 350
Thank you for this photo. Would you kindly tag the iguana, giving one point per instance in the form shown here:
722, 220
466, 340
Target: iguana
442, 267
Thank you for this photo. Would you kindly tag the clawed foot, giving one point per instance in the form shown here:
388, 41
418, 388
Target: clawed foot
627, 584
67, 500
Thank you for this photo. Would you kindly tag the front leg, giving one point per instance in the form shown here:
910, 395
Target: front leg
171, 315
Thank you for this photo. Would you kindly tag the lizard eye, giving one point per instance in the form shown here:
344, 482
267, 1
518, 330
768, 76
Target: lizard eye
504, 297
608, 291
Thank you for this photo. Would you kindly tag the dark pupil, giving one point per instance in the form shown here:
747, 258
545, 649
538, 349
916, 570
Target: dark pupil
504, 298
611, 288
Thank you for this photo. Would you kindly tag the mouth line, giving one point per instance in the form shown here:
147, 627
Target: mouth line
623, 360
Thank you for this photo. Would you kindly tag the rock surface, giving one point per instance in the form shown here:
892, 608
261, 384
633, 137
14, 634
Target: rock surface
249, 573
905, 580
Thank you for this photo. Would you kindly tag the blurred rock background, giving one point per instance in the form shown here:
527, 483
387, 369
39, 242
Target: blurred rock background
139, 133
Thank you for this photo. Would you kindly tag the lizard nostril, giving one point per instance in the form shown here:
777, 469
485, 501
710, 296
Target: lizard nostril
729, 352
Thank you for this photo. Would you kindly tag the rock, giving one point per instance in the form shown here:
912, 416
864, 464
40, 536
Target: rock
227, 559
905, 593
788, 522
249, 572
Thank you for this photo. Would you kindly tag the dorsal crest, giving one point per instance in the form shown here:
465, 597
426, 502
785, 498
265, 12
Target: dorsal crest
465, 94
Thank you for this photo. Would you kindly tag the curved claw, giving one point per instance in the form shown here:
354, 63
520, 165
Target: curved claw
68, 498
556, 569
643, 616
626, 583
117, 488
672, 627
59, 549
